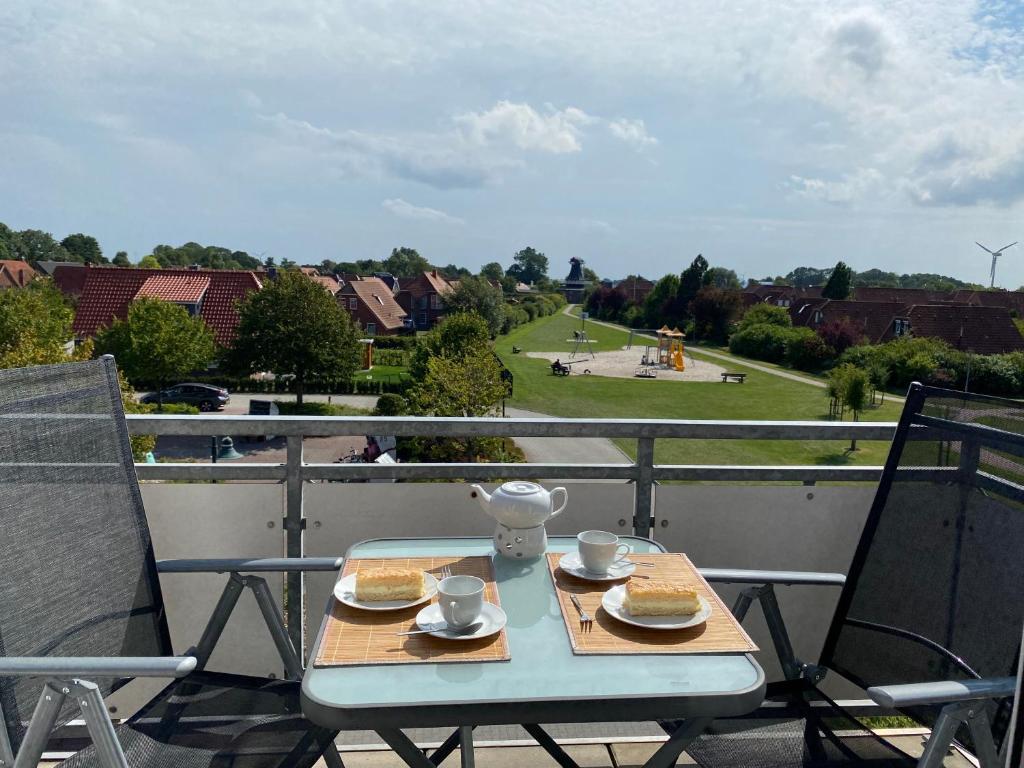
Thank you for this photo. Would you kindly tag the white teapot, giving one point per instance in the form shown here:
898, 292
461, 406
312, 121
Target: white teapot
521, 509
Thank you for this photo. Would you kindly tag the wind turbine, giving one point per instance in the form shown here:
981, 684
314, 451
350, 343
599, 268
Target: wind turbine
995, 257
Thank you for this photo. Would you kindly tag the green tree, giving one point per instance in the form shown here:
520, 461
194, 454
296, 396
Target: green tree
720, 277
660, 300
457, 336
492, 271
83, 248
591, 276
121, 259
713, 311
839, 282
689, 283
293, 326
7, 244
529, 266
851, 387
149, 262
405, 262
158, 342
805, 277
766, 314
35, 245
455, 272
35, 325
474, 294
208, 256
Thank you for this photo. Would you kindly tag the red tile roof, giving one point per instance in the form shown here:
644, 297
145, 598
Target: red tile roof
871, 318
15, 273
70, 278
330, 282
377, 297
181, 289
984, 330
108, 291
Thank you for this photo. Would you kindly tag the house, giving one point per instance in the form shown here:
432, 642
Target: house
69, 277
107, 293
982, 330
372, 306
1011, 300
779, 295
635, 287
874, 319
331, 283
908, 296
15, 273
49, 267
422, 298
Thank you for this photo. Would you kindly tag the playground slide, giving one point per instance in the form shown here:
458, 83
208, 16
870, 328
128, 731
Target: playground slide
677, 360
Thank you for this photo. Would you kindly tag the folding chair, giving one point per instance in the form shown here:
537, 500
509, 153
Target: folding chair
81, 611
930, 614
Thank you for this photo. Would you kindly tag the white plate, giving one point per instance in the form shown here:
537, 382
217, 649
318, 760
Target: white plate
571, 564
491, 616
345, 591
612, 603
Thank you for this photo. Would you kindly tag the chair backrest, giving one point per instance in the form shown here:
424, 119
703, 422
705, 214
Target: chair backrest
77, 574
936, 587
1015, 746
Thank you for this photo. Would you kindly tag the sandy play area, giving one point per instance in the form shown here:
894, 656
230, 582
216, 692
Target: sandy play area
623, 362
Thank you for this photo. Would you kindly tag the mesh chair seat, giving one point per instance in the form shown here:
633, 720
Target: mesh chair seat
821, 736
211, 720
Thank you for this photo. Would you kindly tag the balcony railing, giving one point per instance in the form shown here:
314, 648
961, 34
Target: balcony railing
643, 474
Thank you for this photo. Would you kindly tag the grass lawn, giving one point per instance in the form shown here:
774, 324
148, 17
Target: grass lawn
763, 396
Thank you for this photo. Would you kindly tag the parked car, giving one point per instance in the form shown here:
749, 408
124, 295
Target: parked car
203, 396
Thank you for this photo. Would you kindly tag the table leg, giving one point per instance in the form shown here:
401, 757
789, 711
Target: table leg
449, 745
678, 740
466, 738
549, 745
404, 748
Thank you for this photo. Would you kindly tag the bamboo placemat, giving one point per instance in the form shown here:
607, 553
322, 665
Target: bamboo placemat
354, 637
721, 633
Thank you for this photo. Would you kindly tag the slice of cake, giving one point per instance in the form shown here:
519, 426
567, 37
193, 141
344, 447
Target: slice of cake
375, 584
652, 597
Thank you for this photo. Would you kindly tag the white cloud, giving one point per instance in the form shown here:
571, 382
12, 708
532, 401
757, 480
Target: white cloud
848, 189
407, 210
520, 125
633, 132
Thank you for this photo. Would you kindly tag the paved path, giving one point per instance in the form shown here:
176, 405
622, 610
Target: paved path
566, 450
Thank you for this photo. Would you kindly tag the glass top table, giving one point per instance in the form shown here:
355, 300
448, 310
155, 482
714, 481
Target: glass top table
544, 682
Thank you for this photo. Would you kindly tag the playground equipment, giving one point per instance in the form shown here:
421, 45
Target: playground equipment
671, 350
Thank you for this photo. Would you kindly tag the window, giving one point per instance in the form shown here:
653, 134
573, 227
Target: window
818, 317
435, 301
353, 303
421, 302
423, 319
371, 329
901, 327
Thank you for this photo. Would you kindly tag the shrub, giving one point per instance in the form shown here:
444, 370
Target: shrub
390, 405
996, 374
761, 342
766, 314
840, 334
807, 351
310, 408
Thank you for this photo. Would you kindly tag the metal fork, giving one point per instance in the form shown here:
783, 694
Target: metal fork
446, 571
586, 623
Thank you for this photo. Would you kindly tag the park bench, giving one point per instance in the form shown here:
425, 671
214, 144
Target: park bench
740, 377
516, 350
561, 369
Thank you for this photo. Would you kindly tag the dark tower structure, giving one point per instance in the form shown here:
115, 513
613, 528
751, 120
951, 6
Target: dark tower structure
574, 285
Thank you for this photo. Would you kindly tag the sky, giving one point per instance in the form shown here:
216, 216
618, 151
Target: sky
633, 134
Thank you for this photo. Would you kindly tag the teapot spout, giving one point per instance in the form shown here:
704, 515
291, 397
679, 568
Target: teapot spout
482, 496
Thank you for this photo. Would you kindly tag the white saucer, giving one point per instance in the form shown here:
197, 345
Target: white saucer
612, 603
571, 564
345, 591
492, 618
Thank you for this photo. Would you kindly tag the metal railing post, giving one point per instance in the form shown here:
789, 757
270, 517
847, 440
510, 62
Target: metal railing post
643, 498
294, 525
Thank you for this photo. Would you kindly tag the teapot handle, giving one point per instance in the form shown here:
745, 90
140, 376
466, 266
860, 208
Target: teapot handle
565, 499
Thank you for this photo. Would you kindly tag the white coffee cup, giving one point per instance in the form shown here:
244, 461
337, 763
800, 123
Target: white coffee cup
461, 599
600, 550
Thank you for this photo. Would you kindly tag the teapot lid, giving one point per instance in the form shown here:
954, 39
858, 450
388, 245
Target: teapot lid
520, 488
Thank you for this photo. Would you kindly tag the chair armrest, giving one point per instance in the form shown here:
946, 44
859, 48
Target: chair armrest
250, 565
740, 576
96, 666
944, 692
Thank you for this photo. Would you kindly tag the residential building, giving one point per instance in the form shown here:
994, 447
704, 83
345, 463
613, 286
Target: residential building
331, 283
49, 267
106, 293
874, 319
422, 298
635, 287
372, 306
15, 273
